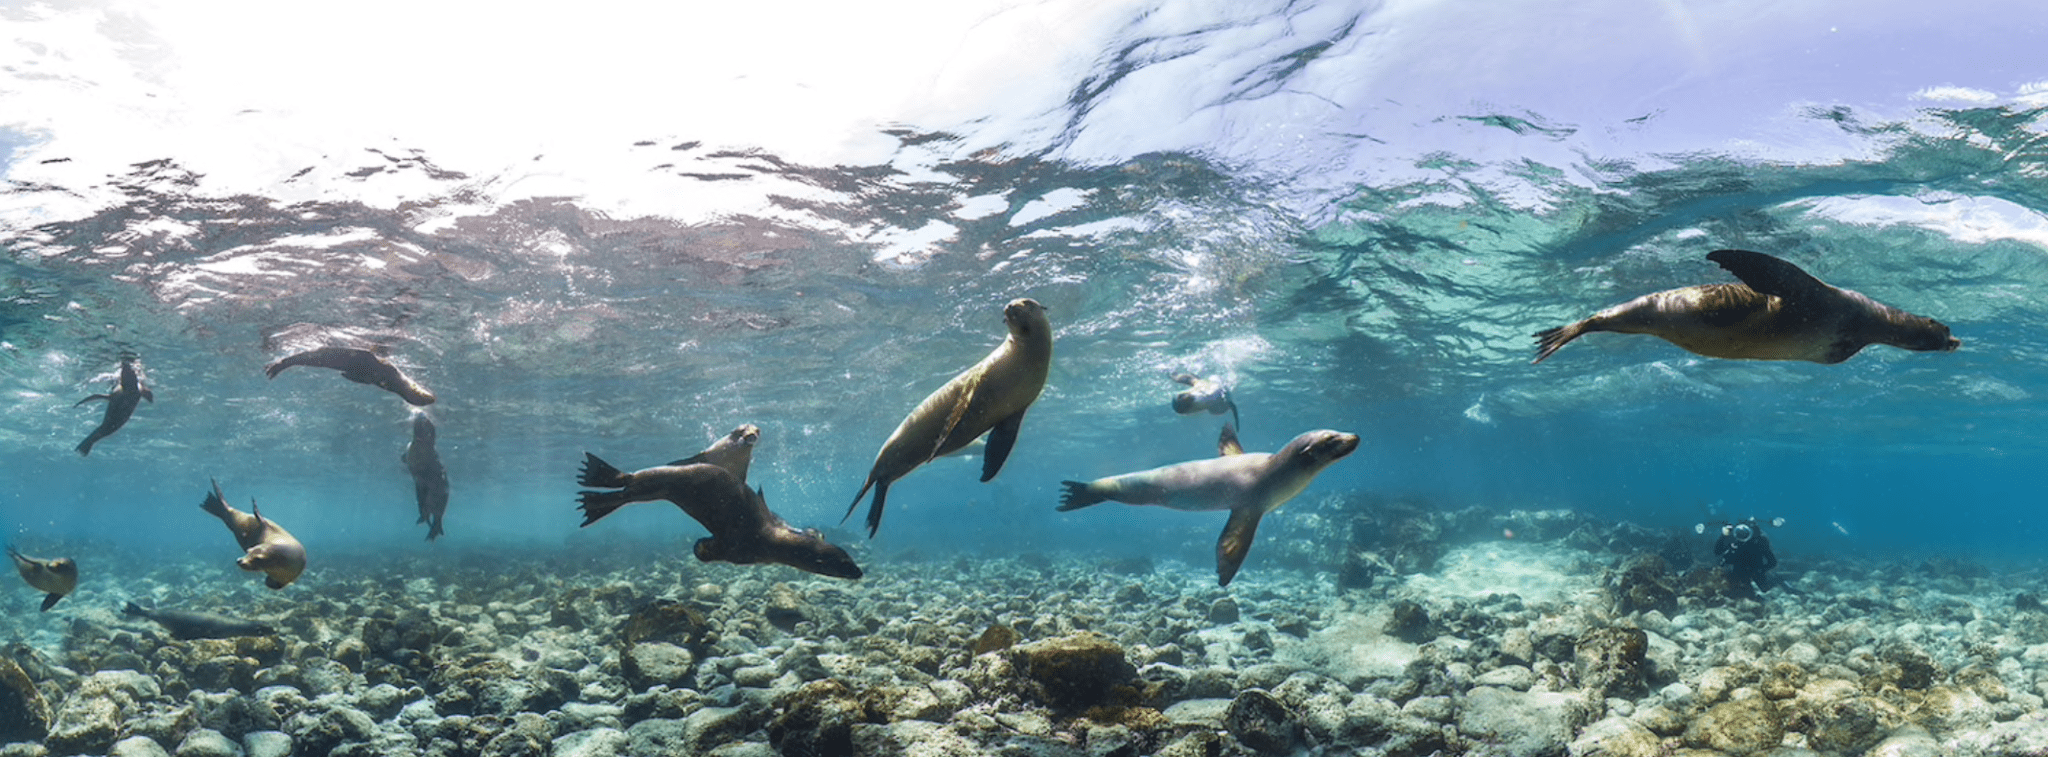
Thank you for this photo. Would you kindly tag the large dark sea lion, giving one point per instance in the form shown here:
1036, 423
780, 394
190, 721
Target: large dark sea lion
267, 547
429, 478
734, 452
56, 576
989, 398
1248, 485
188, 625
128, 392
361, 366
1778, 312
743, 529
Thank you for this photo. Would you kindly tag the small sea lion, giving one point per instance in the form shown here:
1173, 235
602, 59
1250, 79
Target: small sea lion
128, 392
268, 547
988, 398
1209, 395
429, 478
1778, 312
184, 624
733, 452
361, 366
1248, 485
743, 530
56, 576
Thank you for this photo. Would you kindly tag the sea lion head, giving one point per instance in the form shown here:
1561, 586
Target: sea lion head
403, 386
1924, 334
805, 550
281, 564
1316, 449
66, 571
747, 434
1026, 318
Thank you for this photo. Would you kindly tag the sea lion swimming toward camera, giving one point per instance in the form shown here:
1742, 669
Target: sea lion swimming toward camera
429, 477
267, 546
185, 624
1248, 485
361, 366
1208, 395
988, 398
57, 576
743, 530
128, 392
1778, 312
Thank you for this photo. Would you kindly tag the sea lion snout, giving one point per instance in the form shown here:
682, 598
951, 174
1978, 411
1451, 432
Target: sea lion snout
1327, 446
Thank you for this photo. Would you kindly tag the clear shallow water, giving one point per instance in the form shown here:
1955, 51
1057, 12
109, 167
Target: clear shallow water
1311, 199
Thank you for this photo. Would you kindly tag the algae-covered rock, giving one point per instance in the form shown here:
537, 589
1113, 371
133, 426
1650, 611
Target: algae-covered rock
1522, 723
1611, 661
816, 718
1739, 726
1078, 671
24, 714
1616, 737
1261, 722
996, 637
1852, 725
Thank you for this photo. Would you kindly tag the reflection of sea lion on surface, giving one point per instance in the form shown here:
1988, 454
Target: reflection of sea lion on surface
988, 398
743, 529
361, 366
429, 477
56, 576
1208, 395
1778, 312
128, 392
1248, 485
185, 624
267, 546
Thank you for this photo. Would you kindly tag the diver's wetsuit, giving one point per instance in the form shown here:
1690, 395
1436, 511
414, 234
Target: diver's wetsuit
1747, 562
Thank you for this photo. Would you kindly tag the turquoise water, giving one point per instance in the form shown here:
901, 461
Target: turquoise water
1260, 194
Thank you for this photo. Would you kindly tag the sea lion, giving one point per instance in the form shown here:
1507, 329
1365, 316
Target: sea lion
1209, 395
743, 530
56, 576
429, 478
1248, 485
269, 548
1778, 312
734, 452
988, 398
128, 392
185, 624
361, 366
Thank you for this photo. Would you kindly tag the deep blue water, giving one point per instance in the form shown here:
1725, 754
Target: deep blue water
1265, 194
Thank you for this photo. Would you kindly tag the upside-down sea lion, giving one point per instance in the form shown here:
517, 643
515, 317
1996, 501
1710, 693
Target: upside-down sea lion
361, 366
743, 529
734, 452
56, 576
988, 398
128, 392
185, 624
429, 477
1778, 312
1248, 485
267, 546
1208, 395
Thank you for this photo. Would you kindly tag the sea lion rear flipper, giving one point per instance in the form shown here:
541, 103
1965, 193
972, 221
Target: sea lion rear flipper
149, 395
50, 600
215, 504
134, 610
1770, 275
1000, 440
875, 510
864, 487
600, 474
1226, 442
1075, 495
596, 505
1236, 542
1548, 341
95, 397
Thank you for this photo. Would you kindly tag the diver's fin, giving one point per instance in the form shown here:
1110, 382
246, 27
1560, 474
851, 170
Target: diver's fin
1770, 275
50, 600
1000, 440
1236, 542
1226, 442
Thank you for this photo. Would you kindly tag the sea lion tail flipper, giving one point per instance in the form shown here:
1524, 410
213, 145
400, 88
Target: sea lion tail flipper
1075, 495
434, 531
1000, 440
1226, 442
215, 504
149, 395
1549, 340
864, 487
596, 505
1769, 275
50, 600
1236, 542
134, 610
600, 474
875, 510
84, 448
94, 397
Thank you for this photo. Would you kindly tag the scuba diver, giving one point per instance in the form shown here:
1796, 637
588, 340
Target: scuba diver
1746, 556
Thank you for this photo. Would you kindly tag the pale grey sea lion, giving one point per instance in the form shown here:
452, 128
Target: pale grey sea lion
1248, 485
1778, 312
56, 576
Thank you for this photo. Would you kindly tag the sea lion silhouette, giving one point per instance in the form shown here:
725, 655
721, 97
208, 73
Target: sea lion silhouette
743, 530
128, 392
361, 366
429, 477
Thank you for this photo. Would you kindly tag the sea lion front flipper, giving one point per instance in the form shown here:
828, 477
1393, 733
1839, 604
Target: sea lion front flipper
1000, 440
1236, 542
1226, 442
1771, 275
149, 395
94, 397
50, 600
953, 417
1232, 402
